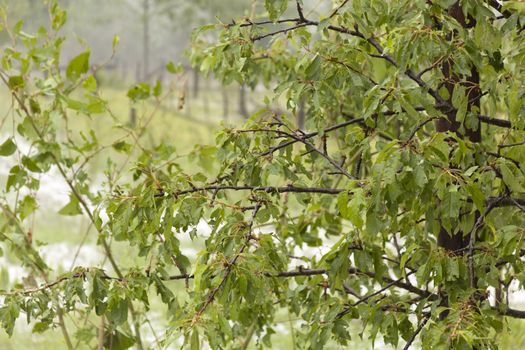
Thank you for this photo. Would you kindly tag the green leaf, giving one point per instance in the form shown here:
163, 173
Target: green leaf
58, 16
117, 341
41, 327
30, 164
451, 203
511, 180
195, 34
407, 106
314, 68
404, 258
34, 106
477, 196
157, 89
8, 315
459, 100
27, 206
174, 69
17, 177
195, 343
78, 66
118, 310
16, 82
72, 208
90, 84
7, 148
138, 92
122, 146
352, 210
275, 8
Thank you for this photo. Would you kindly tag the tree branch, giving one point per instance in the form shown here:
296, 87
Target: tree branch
472, 241
300, 10
409, 73
494, 121
418, 330
323, 154
283, 274
267, 189
334, 13
312, 134
231, 264
512, 313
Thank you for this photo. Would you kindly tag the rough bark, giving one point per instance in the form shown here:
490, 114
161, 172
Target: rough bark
456, 242
243, 109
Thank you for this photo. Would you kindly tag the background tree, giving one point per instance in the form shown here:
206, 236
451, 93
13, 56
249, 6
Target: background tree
398, 210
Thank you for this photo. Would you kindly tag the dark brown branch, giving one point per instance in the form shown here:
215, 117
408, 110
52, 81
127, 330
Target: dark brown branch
431, 67
472, 241
439, 100
282, 31
390, 284
229, 268
512, 144
494, 121
498, 155
498, 6
412, 75
334, 13
323, 154
419, 127
284, 274
519, 205
414, 335
267, 189
251, 24
312, 134
512, 313
506, 202
300, 11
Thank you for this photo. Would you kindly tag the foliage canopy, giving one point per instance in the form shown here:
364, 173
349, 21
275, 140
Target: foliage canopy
400, 205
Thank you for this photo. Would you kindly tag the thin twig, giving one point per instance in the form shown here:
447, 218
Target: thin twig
229, 268
472, 241
334, 13
418, 330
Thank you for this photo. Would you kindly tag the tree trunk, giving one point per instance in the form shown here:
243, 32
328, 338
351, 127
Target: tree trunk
455, 242
196, 86
243, 110
301, 114
145, 37
206, 102
133, 110
225, 103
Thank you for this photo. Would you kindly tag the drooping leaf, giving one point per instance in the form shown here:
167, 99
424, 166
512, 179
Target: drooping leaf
78, 66
72, 208
275, 8
7, 148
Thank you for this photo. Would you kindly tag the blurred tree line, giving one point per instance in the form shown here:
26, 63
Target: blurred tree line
152, 32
